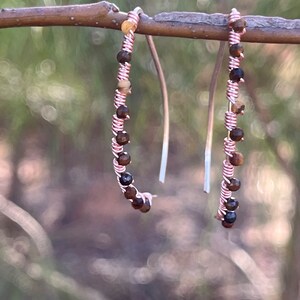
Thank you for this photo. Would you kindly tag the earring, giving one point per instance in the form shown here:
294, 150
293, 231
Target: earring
228, 204
141, 201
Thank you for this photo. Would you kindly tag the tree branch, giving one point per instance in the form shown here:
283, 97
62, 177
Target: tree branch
174, 24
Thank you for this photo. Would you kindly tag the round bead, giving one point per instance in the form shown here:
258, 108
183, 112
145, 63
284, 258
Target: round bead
236, 74
122, 137
234, 184
238, 108
239, 25
231, 204
236, 134
124, 57
137, 203
128, 25
237, 159
236, 50
130, 192
122, 112
124, 159
126, 178
124, 87
146, 207
227, 225
230, 217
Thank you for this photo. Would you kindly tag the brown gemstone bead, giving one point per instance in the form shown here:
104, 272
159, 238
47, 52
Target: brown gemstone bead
124, 87
230, 217
146, 207
126, 178
236, 74
124, 159
231, 204
137, 203
227, 225
238, 108
123, 57
237, 159
236, 134
130, 192
122, 137
239, 25
122, 112
234, 184
128, 25
236, 50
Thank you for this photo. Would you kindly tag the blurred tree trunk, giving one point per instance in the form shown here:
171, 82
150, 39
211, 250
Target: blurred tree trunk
291, 269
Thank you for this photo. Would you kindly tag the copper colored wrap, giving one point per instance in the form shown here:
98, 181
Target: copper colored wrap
232, 93
121, 93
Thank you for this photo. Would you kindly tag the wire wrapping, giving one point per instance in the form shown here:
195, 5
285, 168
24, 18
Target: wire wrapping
232, 93
230, 120
124, 70
120, 99
229, 146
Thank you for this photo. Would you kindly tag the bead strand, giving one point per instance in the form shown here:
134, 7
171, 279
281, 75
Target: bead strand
227, 204
141, 201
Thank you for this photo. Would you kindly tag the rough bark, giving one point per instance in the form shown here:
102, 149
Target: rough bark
174, 24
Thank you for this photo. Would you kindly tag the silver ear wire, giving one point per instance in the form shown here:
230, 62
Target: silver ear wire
210, 121
163, 87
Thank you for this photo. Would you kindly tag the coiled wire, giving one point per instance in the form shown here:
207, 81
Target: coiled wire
232, 93
120, 99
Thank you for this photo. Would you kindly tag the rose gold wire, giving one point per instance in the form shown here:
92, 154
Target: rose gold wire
120, 99
210, 119
164, 91
232, 93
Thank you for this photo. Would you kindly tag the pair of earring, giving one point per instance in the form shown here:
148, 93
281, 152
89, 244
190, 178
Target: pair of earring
143, 200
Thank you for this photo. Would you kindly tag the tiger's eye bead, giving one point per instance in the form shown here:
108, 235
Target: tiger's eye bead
234, 184
124, 87
227, 225
230, 217
122, 112
137, 203
122, 137
236, 74
239, 25
236, 50
236, 134
130, 192
123, 57
126, 178
127, 25
238, 108
124, 159
237, 159
146, 207
231, 204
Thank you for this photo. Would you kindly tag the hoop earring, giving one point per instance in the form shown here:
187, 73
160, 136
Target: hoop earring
228, 204
141, 201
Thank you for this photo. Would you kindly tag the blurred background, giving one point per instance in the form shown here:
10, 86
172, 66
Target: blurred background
67, 232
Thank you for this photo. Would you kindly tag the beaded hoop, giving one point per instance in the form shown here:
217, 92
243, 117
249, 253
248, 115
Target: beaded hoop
141, 201
228, 204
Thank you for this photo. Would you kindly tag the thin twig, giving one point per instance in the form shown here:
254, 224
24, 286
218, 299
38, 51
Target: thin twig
176, 24
246, 264
31, 226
